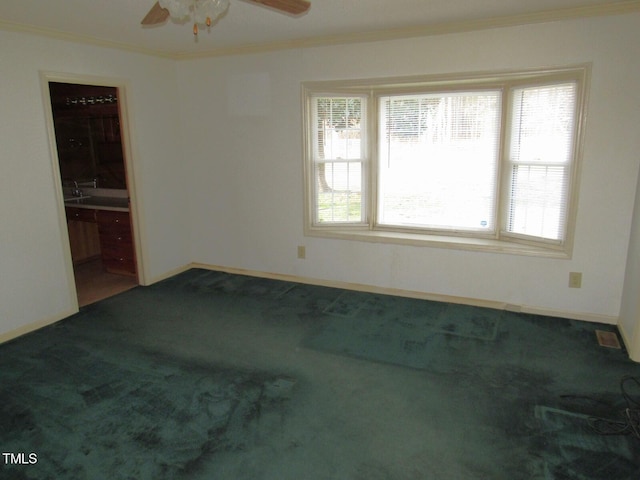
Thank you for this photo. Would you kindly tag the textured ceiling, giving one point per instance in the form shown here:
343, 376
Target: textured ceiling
247, 27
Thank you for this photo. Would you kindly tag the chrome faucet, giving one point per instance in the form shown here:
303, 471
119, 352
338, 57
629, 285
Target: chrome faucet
76, 192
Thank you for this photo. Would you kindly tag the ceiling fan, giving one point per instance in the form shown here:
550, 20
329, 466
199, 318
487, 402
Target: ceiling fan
159, 14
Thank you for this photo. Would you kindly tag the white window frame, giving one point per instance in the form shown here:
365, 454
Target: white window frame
500, 241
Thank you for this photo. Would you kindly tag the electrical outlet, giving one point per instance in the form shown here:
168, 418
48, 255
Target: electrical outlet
302, 251
575, 279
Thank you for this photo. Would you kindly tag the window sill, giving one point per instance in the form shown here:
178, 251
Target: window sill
439, 241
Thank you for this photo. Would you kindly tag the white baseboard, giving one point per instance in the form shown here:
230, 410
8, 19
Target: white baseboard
31, 327
171, 273
587, 317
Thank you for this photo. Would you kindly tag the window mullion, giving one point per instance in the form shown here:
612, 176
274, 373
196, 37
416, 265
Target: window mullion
372, 164
504, 165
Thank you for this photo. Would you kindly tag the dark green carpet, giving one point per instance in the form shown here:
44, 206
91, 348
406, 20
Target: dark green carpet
215, 376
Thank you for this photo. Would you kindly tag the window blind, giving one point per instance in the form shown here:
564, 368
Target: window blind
540, 156
438, 157
338, 155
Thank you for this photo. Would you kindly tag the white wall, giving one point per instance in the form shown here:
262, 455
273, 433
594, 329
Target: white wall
33, 289
246, 211
630, 310
220, 183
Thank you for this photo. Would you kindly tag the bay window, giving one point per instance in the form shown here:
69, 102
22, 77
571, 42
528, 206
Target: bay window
483, 162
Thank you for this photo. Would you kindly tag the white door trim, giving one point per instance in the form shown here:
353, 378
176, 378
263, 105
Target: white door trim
126, 127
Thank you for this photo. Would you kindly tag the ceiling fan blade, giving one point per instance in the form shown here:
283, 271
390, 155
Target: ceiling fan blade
293, 7
156, 15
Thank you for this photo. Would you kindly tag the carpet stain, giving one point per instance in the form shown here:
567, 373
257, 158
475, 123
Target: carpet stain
91, 414
209, 375
576, 452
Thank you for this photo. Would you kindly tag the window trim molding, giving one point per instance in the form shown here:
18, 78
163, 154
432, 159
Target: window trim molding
501, 242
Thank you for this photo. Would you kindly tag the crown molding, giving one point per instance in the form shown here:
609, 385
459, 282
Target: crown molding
617, 8
83, 39
554, 15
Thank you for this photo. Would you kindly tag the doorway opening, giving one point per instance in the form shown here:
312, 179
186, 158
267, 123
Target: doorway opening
91, 154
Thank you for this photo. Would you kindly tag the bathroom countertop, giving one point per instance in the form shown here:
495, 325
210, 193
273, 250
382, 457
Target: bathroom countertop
120, 204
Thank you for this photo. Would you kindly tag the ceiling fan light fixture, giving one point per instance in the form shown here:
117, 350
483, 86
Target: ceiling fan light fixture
203, 12
207, 12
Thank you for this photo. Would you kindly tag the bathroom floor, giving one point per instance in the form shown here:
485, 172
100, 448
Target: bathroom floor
93, 283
